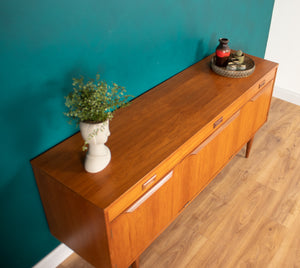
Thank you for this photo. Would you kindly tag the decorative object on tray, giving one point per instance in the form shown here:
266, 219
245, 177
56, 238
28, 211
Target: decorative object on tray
239, 55
222, 53
236, 61
91, 105
238, 65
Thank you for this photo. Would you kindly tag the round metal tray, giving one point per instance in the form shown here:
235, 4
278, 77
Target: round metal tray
250, 67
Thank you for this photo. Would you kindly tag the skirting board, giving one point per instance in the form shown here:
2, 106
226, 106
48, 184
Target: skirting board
55, 257
287, 95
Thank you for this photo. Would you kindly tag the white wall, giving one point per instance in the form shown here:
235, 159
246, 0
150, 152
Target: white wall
284, 47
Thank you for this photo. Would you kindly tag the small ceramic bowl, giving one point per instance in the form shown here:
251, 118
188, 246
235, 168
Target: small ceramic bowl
240, 56
231, 67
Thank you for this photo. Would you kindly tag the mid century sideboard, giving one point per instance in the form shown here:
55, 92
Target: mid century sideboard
166, 147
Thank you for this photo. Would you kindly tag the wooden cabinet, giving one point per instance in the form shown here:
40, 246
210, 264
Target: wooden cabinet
166, 147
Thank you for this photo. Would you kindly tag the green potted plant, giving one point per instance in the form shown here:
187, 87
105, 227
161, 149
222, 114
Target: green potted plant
91, 105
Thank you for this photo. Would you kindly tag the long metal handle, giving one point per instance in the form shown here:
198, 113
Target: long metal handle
216, 133
149, 193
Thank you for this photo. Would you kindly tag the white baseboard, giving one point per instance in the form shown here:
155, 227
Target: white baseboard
287, 95
55, 257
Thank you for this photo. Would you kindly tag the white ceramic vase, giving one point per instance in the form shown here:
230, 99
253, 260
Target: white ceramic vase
98, 155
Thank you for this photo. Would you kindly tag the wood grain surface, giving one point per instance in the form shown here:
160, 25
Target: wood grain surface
248, 216
188, 103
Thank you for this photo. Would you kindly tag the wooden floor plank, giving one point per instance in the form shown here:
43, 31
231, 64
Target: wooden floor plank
248, 216
288, 254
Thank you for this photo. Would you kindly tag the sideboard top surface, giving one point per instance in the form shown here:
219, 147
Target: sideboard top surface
148, 131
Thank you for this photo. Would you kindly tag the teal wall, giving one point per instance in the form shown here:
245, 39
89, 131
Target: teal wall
134, 43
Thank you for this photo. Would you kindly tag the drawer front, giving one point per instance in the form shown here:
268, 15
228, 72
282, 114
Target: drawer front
140, 189
266, 80
134, 229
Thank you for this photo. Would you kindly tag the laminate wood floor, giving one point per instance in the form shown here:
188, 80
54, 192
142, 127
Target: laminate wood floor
248, 216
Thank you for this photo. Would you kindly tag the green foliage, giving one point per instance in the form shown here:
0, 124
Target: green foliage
90, 136
94, 101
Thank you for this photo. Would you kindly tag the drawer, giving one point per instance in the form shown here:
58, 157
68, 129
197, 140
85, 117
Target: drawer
266, 81
139, 189
134, 229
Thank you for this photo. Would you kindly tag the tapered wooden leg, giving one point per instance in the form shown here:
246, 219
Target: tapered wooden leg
136, 263
249, 145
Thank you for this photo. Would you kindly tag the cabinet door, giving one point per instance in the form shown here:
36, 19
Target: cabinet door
134, 230
200, 167
254, 114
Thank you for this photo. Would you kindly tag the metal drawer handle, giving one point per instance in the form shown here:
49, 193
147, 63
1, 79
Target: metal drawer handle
149, 193
259, 94
262, 84
218, 122
146, 184
216, 133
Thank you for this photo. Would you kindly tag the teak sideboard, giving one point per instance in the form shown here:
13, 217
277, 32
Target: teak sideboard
166, 146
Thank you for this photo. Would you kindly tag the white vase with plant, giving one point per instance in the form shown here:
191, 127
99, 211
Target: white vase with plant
91, 105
